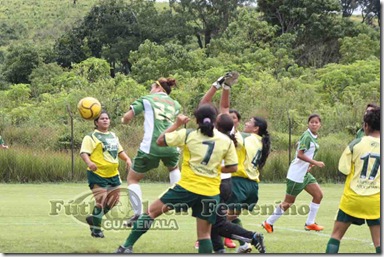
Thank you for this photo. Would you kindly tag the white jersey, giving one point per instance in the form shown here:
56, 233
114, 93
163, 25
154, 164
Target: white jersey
298, 167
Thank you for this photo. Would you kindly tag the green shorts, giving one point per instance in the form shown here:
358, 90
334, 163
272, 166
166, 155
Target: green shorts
144, 162
245, 194
343, 217
295, 188
94, 179
180, 199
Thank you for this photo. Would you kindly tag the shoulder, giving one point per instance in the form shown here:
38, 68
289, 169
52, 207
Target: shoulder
354, 143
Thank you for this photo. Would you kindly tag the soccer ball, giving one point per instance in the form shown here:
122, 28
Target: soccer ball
89, 108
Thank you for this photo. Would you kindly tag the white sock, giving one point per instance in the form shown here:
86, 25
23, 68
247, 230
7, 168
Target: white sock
174, 176
313, 208
275, 215
135, 197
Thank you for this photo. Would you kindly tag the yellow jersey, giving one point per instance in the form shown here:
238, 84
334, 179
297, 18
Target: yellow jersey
202, 158
360, 161
103, 150
248, 152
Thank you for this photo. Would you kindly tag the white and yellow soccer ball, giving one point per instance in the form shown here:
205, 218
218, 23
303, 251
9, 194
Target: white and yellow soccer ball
89, 108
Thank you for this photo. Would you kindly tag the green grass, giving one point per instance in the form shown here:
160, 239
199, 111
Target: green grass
27, 226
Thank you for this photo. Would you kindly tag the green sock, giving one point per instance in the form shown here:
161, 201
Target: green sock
141, 226
237, 221
378, 249
205, 246
97, 214
107, 209
332, 246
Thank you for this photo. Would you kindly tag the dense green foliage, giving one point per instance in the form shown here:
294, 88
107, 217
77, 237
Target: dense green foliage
136, 40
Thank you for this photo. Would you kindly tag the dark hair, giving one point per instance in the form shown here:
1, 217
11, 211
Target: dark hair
266, 141
224, 124
206, 117
314, 115
97, 119
236, 113
372, 105
372, 118
167, 84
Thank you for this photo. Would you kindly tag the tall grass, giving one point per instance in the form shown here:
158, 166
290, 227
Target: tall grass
25, 164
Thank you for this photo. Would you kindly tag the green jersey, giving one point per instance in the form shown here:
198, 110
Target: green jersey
1, 141
360, 133
160, 112
298, 168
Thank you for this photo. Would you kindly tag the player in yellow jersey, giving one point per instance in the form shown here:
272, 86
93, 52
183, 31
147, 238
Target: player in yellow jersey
360, 201
227, 124
100, 150
203, 152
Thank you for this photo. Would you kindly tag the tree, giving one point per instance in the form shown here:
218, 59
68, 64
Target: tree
209, 18
19, 62
370, 9
348, 7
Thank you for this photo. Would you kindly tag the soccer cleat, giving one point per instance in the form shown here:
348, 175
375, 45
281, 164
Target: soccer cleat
258, 242
230, 78
220, 251
123, 249
229, 243
314, 227
267, 227
131, 220
245, 248
197, 245
99, 234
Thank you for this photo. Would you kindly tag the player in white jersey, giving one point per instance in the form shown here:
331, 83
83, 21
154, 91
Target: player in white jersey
299, 177
360, 201
160, 111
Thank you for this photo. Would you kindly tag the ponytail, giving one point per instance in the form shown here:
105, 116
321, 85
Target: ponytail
206, 117
266, 141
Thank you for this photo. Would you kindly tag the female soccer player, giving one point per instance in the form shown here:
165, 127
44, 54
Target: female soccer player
222, 226
203, 151
360, 133
299, 177
160, 111
360, 201
2, 144
100, 150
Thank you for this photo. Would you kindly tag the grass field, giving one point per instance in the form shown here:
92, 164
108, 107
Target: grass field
31, 221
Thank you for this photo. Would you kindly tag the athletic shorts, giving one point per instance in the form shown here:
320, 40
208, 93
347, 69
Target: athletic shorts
295, 188
343, 217
180, 199
144, 162
245, 194
94, 179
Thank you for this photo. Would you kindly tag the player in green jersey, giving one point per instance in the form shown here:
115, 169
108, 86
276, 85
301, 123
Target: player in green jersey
360, 201
203, 152
160, 111
100, 150
360, 133
299, 177
2, 144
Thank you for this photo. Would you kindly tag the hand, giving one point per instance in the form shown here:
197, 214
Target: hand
92, 166
182, 119
319, 164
